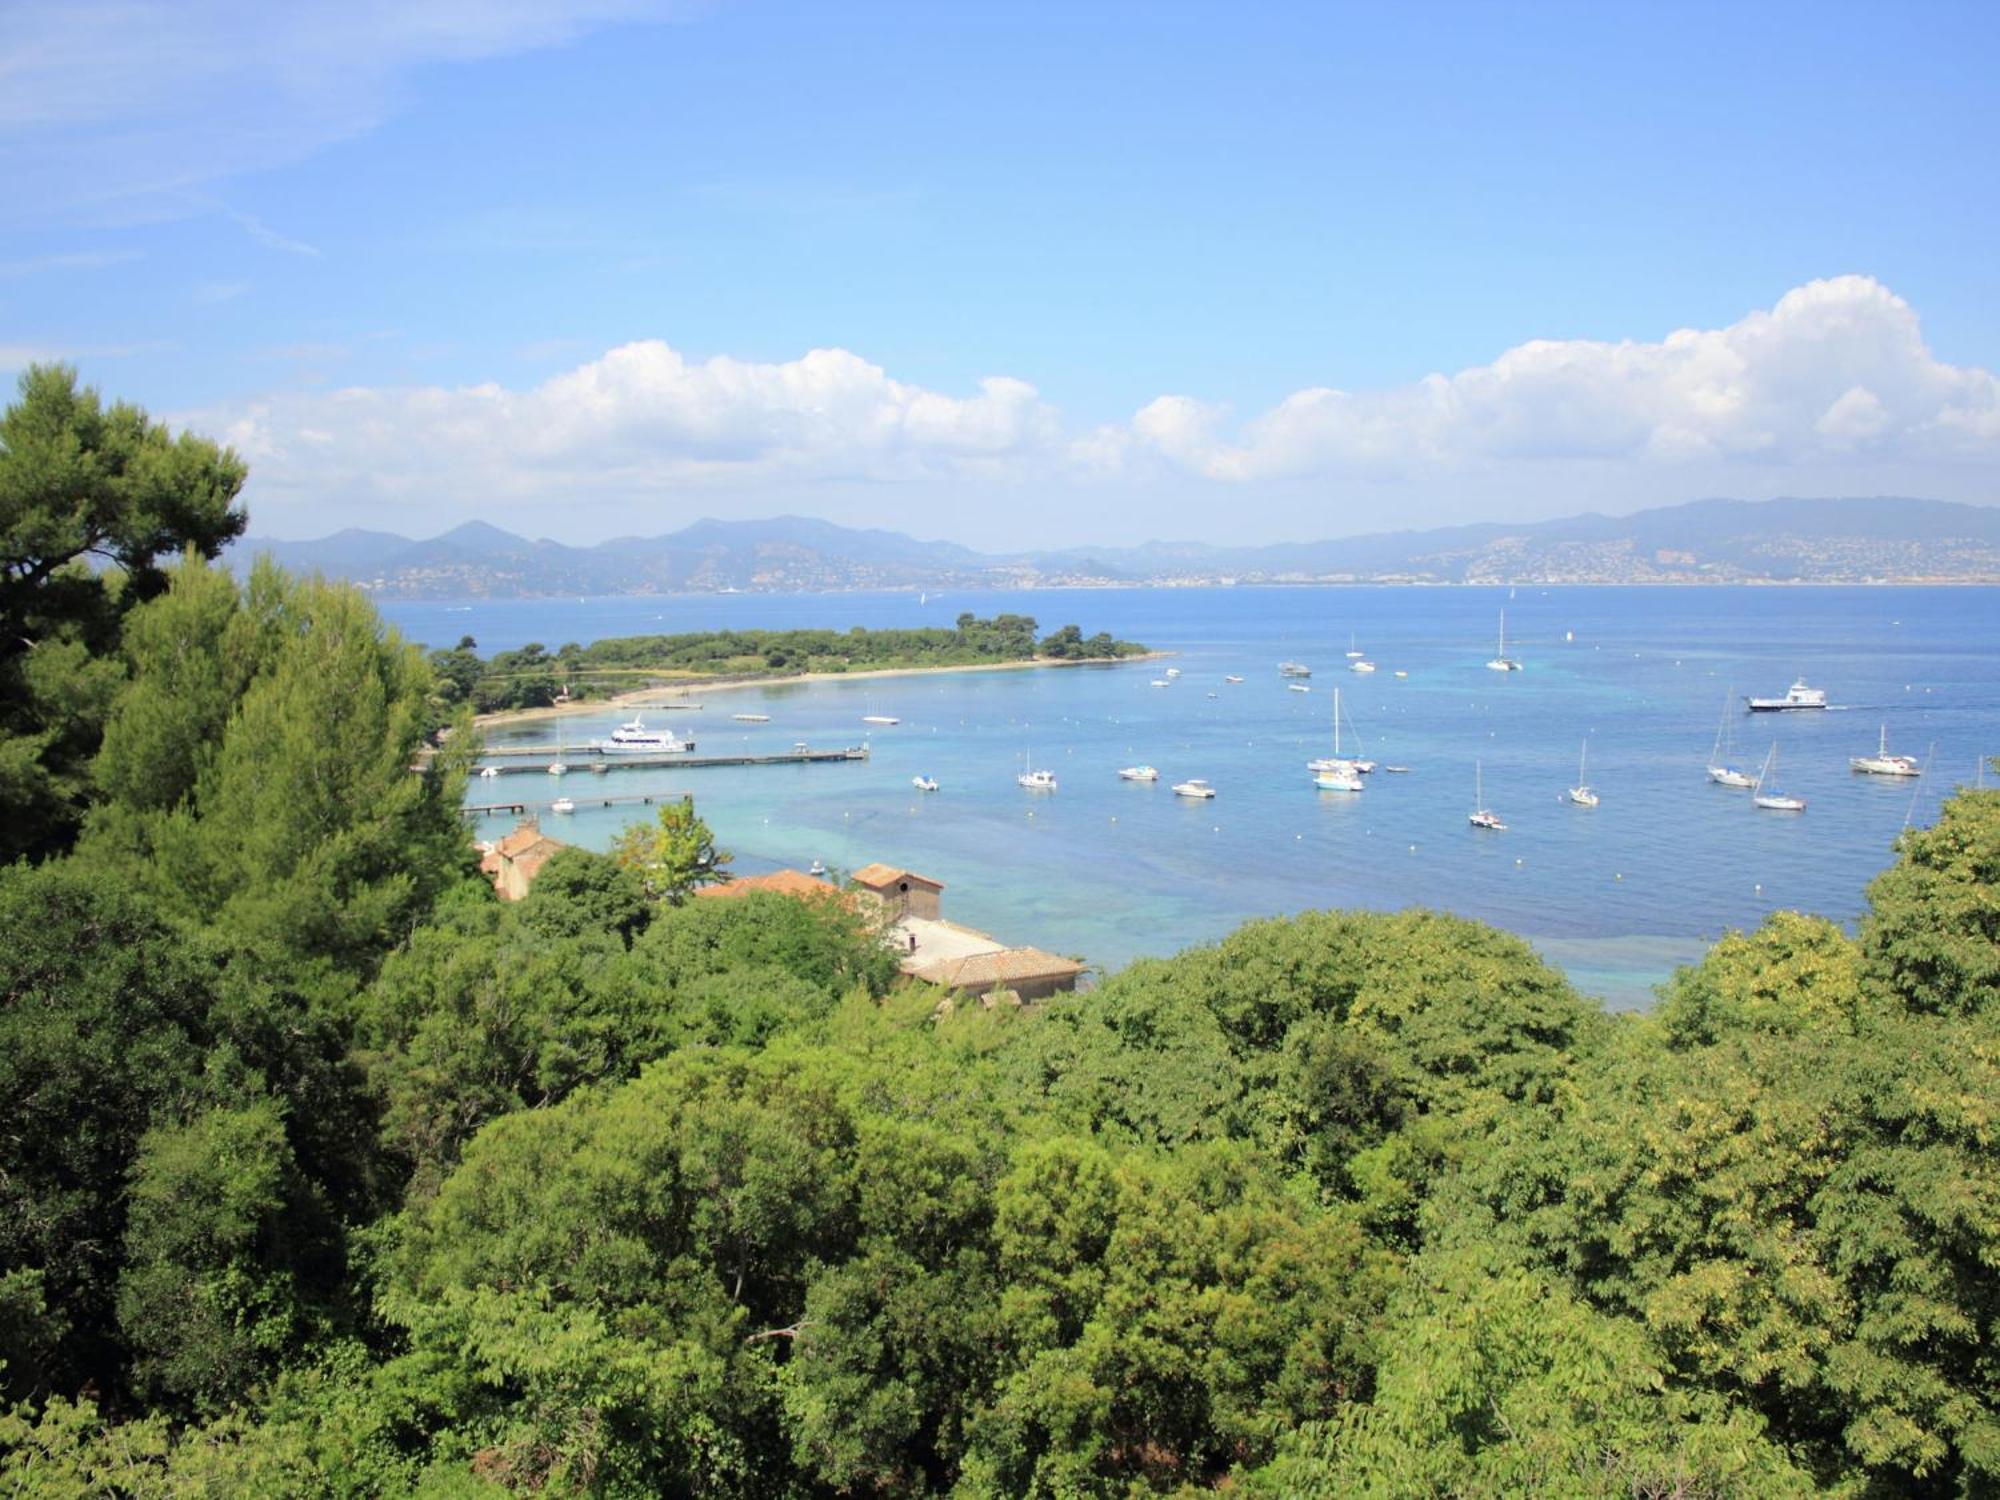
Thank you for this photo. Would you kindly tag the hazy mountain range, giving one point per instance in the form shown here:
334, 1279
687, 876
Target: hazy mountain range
1707, 541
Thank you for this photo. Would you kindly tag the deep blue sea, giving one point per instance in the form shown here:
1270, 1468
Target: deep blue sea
1618, 895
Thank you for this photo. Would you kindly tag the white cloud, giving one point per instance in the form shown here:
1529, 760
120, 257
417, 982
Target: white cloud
1832, 390
125, 109
1834, 365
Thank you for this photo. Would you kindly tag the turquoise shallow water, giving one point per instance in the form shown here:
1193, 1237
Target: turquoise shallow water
1108, 870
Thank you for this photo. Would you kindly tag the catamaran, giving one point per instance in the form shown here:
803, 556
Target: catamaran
1776, 801
1720, 771
1581, 794
636, 739
1503, 662
1882, 763
1481, 815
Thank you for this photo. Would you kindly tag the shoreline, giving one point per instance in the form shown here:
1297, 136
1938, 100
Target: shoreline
665, 695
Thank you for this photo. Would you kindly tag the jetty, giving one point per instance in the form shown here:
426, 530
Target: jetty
523, 809
518, 760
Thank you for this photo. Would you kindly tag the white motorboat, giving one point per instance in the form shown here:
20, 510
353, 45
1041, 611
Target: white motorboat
751, 718
1173, 672
559, 768
1139, 773
1300, 687
879, 719
487, 773
1396, 770
1362, 666
1774, 801
1882, 763
1162, 682
1037, 781
562, 805
1798, 695
1231, 679
1294, 669
1720, 771
1481, 815
924, 783
1581, 794
817, 869
636, 739
1503, 662
1194, 786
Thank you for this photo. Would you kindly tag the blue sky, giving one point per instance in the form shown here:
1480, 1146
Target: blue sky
1095, 271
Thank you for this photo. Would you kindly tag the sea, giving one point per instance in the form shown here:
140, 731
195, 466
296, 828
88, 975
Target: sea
1618, 895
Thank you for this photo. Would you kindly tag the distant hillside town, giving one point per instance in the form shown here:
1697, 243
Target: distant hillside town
1845, 541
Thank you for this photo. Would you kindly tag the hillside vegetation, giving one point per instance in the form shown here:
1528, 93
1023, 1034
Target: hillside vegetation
534, 677
324, 1172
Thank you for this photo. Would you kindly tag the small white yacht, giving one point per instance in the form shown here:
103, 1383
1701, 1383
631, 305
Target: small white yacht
924, 783
1194, 786
1294, 669
1798, 695
487, 773
636, 739
1337, 776
1139, 773
1231, 678
1482, 816
1720, 771
1354, 652
817, 869
1037, 781
1362, 666
559, 768
1774, 801
1882, 763
1581, 794
1173, 672
562, 805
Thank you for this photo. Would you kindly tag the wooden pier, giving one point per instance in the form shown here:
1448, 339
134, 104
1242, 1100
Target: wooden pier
522, 809
536, 759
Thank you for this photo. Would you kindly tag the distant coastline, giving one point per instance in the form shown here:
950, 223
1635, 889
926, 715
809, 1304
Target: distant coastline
1855, 542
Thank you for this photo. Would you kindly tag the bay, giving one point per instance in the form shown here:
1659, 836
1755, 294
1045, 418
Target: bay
1109, 871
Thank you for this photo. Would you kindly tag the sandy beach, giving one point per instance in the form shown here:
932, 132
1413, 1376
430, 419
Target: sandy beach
680, 694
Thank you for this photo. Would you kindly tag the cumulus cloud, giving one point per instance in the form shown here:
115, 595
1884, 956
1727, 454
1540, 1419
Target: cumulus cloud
640, 421
1831, 389
1836, 364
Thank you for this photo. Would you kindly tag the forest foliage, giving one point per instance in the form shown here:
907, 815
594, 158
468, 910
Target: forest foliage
532, 676
323, 1171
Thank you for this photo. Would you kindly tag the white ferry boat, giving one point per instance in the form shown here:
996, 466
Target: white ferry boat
636, 739
1797, 696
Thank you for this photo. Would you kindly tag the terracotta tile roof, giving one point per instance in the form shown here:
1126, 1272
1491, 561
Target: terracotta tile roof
980, 971
778, 882
879, 874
